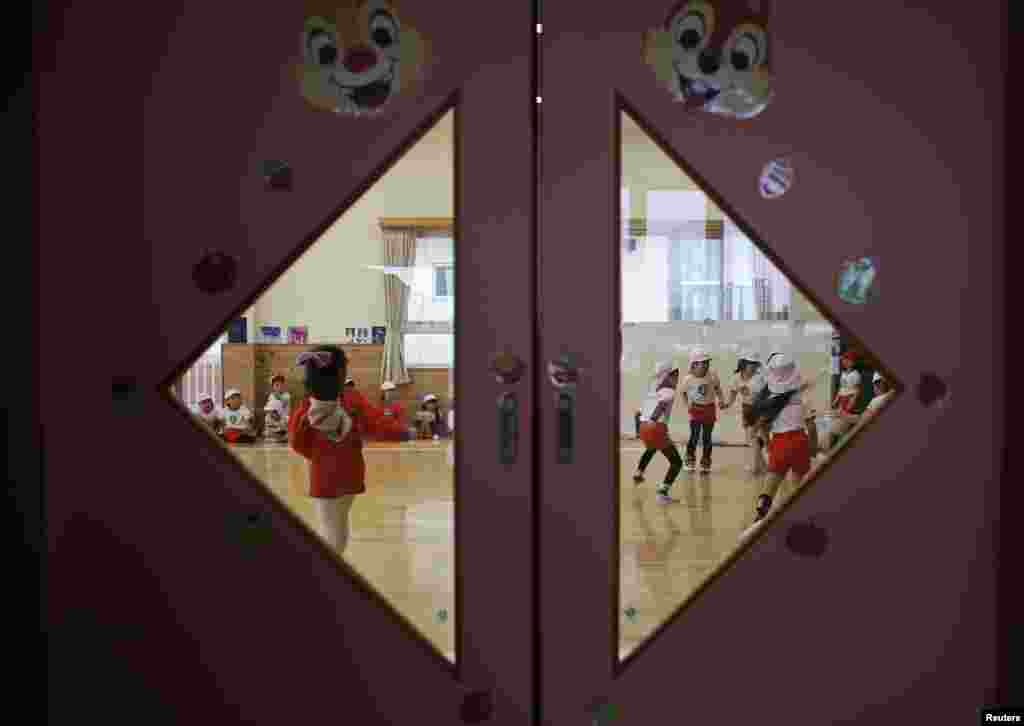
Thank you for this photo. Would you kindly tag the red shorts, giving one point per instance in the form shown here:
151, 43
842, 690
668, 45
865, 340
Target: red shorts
789, 450
655, 435
846, 403
704, 414
235, 436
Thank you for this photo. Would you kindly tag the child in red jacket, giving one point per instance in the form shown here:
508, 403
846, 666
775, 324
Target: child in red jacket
327, 432
389, 422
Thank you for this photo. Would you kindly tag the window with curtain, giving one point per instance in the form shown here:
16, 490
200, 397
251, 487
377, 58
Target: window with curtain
204, 376
679, 265
428, 336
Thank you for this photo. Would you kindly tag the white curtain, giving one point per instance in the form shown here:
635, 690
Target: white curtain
399, 251
753, 288
204, 376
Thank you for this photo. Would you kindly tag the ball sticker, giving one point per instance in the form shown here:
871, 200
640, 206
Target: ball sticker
356, 56
715, 56
776, 178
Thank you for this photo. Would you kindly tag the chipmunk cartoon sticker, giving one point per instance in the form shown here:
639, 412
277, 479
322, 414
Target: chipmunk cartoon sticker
715, 55
357, 55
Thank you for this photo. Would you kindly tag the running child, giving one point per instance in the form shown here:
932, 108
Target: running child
653, 429
780, 410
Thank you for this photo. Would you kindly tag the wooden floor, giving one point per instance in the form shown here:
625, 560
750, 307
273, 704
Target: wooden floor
401, 530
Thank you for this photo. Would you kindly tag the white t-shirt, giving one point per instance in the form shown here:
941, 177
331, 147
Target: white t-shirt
701, 391
286, 400
747, 389
793, 416
848, 383
240, 419
654, 397
278, 410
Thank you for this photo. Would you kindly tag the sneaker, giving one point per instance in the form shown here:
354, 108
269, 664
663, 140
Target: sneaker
690, 464
664, 498
638, 477
705, 466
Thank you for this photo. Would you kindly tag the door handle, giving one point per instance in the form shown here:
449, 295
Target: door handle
508, 428
566, 415
564, 374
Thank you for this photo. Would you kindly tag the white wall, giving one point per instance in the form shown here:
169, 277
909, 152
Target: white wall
327, 288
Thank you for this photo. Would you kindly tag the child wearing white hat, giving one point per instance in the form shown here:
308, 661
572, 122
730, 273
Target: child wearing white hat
205, 410
653, 419
883, 394
238, 419
701, 388
781, 410
389, 419
431, 418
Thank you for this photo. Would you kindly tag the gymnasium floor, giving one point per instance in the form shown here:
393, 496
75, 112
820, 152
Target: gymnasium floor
401, 530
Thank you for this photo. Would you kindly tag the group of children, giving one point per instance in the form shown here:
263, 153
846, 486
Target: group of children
780, 429
236, 423
328, 429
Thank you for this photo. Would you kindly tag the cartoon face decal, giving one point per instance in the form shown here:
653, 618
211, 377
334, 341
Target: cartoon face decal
714, 55
356, 55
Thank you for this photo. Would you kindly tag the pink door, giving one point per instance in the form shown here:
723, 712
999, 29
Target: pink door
895, 140
196, 233
895, 619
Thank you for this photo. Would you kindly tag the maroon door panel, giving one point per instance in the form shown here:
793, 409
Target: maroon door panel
897, 619
288, 635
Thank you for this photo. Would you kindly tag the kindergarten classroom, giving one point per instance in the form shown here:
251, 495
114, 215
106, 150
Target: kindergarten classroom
689, 277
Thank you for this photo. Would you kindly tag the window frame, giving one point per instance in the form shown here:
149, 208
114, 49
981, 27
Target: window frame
427, 227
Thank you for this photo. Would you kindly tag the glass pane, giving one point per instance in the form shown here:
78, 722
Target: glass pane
341, 291
694, 474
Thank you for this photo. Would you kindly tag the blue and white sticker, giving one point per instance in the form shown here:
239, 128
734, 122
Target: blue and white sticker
776, 178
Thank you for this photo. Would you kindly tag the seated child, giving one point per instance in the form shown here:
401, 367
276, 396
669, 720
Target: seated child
237, 419
324, 430
206, 412
275, 422
431, 419
352, 397
277, 410
389, 423
883, 393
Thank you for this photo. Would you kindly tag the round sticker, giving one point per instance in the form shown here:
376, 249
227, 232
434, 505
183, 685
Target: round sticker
776, 178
